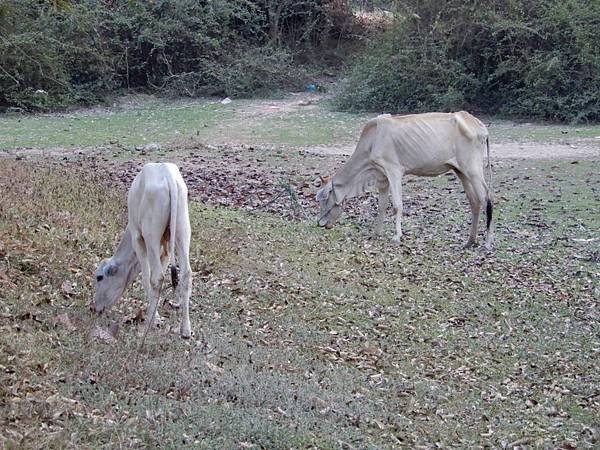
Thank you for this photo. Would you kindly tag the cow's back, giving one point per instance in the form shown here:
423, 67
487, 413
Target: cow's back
470, 126
149, 196
426, 144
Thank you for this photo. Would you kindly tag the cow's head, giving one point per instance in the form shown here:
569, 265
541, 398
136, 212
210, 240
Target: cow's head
331, 208
111, 281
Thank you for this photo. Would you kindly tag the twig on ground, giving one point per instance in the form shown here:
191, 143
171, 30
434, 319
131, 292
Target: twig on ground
287, 188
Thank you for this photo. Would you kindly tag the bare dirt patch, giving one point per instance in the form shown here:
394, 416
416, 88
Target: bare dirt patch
584, 149
532, 150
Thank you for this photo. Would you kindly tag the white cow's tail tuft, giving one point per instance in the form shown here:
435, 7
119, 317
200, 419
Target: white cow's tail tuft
174, 196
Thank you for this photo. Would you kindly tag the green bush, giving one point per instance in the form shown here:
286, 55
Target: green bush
50, 59
81, 51
537, 58
253, 69
392, 78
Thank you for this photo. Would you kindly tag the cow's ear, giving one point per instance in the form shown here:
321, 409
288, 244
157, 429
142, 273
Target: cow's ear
323, 193
111, 269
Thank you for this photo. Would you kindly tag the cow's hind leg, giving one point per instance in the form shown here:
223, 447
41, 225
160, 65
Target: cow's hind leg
165, 260
475, 208
383, 201
156, 279
483, 198
184, 288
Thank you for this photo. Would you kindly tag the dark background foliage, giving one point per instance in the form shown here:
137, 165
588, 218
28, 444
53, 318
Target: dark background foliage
535, 58
58, 53
527, 58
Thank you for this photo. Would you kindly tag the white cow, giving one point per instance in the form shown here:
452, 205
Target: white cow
158, 227
419, 144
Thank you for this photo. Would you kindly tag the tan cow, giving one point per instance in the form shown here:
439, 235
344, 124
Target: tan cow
419, 144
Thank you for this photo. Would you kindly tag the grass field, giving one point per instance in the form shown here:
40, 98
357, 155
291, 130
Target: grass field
304, 338
290, 122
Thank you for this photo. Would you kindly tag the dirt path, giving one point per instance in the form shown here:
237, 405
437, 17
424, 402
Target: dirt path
502, 150
505, 150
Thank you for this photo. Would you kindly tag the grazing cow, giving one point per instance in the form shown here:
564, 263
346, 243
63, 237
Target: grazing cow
419, 144
158, 227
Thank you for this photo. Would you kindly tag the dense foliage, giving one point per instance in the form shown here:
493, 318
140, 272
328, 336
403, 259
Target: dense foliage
537, 58
62, 52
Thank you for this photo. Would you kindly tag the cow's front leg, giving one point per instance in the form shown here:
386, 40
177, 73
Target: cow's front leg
383, 201
396, 188
398, 236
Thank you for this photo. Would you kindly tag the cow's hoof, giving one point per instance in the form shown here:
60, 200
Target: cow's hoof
159, 321
186, 334
397, 238
468, 245
185, 330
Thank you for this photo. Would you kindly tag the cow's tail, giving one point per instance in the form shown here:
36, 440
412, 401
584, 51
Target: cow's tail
489, 209
174, 196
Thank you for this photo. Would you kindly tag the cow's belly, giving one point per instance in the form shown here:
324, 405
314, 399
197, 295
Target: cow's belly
427, 162
429, 170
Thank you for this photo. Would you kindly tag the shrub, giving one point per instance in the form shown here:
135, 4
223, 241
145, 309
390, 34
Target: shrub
512, 57
82, 51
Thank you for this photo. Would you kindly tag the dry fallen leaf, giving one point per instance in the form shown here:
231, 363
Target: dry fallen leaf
215, 368
64, 321
4, 280
67, 289
103, 335
371, 351
139, 317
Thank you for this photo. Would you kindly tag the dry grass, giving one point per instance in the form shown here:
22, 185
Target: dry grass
306, 338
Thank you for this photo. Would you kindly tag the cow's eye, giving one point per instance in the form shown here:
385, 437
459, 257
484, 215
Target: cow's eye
99, 278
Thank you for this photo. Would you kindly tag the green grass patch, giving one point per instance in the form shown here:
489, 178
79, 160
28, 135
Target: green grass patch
279, 122
153, 122
543, 133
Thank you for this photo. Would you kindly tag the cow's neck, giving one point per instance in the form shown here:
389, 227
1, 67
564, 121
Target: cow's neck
125, 251
352, 179
126, 257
